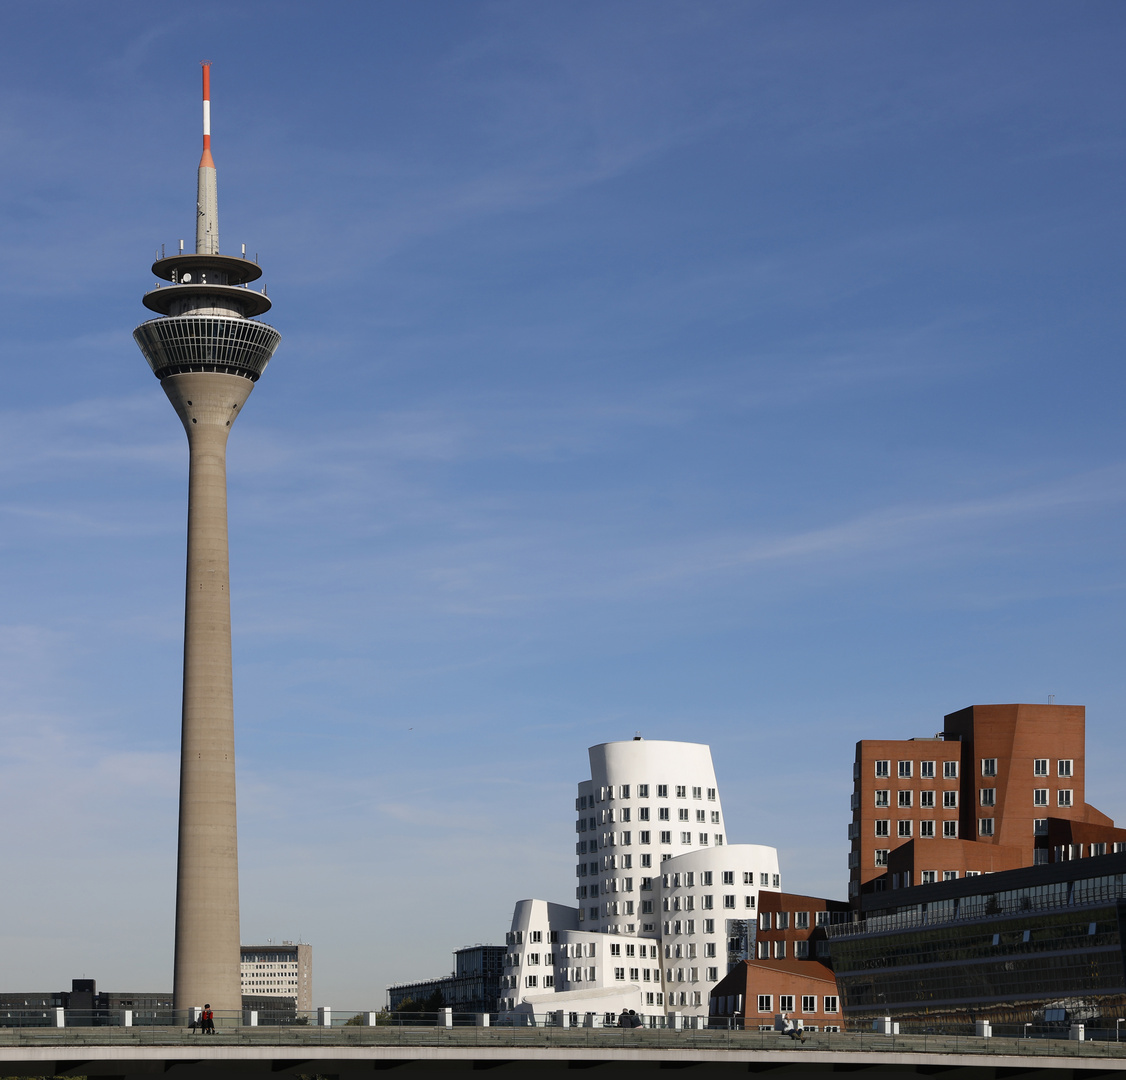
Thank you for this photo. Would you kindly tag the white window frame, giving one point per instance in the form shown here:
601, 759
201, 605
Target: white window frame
1065, 767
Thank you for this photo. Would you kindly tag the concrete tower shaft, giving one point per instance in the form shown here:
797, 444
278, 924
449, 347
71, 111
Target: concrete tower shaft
208, 352
207, 960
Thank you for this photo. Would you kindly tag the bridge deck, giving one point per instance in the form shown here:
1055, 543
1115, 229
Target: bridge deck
425, 1052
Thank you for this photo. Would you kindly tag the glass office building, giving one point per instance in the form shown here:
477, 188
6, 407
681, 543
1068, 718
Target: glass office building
1032, 950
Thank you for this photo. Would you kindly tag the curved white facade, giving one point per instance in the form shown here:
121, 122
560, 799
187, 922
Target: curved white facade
664, 904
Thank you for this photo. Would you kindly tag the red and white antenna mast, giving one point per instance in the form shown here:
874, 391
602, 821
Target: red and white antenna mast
207, 189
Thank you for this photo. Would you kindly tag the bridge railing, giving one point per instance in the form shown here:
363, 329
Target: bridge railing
358, 1028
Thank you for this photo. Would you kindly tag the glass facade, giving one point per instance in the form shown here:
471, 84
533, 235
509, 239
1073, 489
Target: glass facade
182, 343
1014, 956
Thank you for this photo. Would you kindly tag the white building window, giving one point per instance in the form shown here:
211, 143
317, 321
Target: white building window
926, 800
1040, 796
905, 770
949, 800
926, 829
766, 1003
989, 766
883, 768
905, 827
809, 1003
1063, 797
926, 770
1040, 767
881, 857
950, 770
883, 798
905, 798
831, 1003
985, 826
1063, 767
950, 830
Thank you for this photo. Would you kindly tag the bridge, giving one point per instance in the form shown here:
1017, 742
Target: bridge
421, 1053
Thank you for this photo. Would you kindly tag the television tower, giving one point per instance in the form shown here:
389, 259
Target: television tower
207, 352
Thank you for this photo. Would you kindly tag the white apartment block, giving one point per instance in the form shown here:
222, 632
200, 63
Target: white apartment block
284, 971
664, 904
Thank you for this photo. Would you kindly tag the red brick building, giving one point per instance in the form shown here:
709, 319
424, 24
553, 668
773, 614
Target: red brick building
755, 991
1002, 786
786, 971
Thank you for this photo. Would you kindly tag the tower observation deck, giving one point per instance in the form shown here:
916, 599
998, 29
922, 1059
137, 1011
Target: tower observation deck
208, 351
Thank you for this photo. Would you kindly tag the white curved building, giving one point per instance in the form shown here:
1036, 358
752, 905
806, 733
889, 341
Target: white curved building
657, 875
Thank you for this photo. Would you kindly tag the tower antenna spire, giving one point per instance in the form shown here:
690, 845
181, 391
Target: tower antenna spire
207, 192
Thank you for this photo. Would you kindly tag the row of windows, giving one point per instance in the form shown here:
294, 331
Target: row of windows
686, 951
780, 920
881, 859
926, 769
535, 937
786, 1003
675, 975
623, 792
624, 814
644, 836
616, 950
776, 950
906, 797
687, 880
1066, 852
707, 902
905, 829
1064, 767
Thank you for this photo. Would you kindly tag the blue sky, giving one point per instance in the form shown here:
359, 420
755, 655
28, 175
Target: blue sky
736, 372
